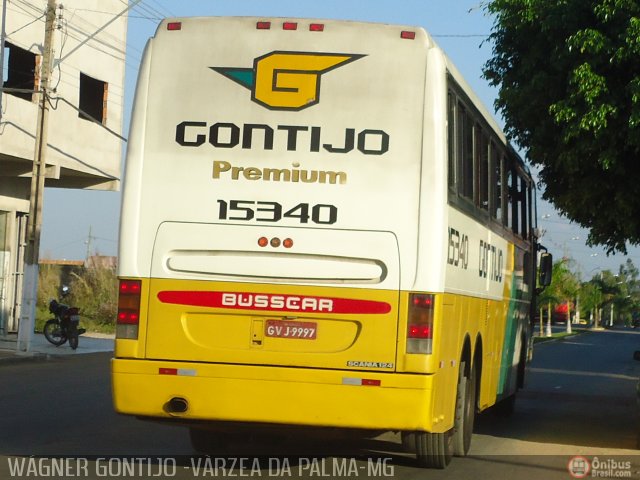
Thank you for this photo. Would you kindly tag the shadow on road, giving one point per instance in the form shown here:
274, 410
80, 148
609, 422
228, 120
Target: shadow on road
579, 392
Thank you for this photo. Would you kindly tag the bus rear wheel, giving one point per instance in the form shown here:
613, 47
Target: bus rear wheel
433, 450
465, 410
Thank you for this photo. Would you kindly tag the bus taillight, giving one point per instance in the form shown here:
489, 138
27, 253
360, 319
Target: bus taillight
420, 323
128, 316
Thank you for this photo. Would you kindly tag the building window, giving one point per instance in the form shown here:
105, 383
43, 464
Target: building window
20, 71
93, 99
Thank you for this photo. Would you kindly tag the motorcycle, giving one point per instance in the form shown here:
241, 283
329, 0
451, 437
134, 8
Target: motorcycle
65, 324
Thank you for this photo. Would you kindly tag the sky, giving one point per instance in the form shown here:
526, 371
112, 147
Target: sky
77, 223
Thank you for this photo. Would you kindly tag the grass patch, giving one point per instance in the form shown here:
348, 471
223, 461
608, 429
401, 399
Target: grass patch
94, 290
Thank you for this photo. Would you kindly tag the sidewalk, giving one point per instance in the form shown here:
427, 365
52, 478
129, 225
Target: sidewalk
41, 349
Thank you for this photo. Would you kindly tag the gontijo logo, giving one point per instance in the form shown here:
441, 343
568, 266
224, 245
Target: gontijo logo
286, 80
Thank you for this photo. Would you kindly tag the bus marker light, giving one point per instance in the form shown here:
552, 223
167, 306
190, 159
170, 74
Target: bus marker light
419, 331
130, 287
316, 27
128, 316
424, 301
408, 35
188, 372
287, 243
420, 323
173, 26
263, 241
263, 25
275, 242
289, 26
361, 382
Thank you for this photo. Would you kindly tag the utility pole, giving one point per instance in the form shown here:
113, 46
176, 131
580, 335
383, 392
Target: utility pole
2, 42
34, 222
89, 239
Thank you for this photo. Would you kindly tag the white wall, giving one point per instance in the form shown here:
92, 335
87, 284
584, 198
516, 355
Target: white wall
87, 154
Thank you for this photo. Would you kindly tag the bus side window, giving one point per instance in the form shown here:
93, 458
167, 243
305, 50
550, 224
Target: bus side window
495, 183
509, 195
515, 201
482, 162
451, 140
524, 208
464, 145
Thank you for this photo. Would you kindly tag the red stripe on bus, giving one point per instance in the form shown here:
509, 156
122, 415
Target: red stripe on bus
273, 302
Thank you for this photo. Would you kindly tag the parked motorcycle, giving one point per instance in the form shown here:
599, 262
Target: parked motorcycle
65, 325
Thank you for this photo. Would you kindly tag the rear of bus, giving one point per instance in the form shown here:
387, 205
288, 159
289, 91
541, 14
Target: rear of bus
270, 219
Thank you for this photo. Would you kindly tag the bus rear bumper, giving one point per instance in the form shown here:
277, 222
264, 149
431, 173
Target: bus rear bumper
276, 395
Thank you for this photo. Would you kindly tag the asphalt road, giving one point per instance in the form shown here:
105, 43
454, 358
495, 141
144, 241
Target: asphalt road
579, 400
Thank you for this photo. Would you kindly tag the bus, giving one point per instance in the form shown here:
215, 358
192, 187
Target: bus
321, 227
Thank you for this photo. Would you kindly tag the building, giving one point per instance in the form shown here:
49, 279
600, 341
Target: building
85, 120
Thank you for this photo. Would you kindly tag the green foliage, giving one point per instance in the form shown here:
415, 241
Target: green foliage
48, 288
621, 290
569, 78
93, 290
590, 297
564, 285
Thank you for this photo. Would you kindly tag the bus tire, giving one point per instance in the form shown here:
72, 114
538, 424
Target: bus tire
465, 411
432, 450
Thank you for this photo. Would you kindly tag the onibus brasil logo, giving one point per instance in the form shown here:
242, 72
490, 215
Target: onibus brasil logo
286, 80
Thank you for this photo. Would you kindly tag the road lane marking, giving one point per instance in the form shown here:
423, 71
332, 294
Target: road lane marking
584, 374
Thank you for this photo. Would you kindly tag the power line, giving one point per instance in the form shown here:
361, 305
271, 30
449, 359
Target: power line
170, 13
88, 117
103, 27
106, 13
26, 25
461, 35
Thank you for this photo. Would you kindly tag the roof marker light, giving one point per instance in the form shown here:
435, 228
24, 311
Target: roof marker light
408, 35
263, 241
289, 26
173, 26
263, 25
287, 243
316, 27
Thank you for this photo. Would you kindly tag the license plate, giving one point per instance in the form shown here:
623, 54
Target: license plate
286, 329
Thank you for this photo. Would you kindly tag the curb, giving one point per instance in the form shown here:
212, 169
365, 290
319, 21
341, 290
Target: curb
15, 358
40, 350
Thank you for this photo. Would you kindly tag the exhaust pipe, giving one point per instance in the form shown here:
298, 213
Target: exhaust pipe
177, 405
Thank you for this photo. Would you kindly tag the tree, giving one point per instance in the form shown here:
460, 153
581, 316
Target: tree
568, 73
609, 286
590, 298
564, 287
626, 302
